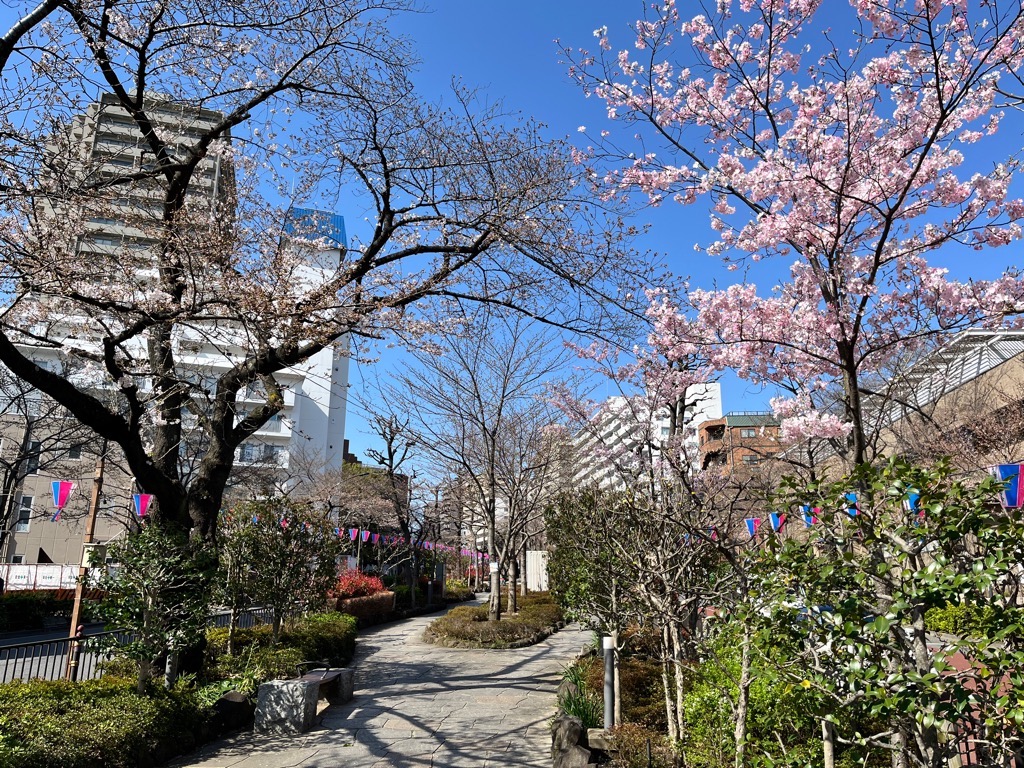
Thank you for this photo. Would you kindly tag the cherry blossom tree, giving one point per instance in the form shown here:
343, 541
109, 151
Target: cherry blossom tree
230, 116
852, 157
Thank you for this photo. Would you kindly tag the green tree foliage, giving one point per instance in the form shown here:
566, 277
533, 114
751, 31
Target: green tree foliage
160, 593
286, 556
852, 595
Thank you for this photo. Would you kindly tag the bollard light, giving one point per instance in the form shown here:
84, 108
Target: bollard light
609, 682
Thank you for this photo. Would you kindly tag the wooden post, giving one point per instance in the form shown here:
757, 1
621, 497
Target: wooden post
83, 571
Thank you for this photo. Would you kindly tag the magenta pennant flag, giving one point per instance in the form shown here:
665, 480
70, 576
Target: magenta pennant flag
142, 502
1011, 497
337, 532
753, 523
810, 515
353, 533
376, 538
777, 521
366, 535
61, 493
284, 522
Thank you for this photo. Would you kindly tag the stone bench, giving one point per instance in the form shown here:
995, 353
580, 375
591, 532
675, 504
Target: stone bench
289, 706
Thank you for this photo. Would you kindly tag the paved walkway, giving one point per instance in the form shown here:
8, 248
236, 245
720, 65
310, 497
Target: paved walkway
418, 705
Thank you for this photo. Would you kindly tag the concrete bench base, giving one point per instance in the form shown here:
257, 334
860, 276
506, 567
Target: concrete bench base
289, 706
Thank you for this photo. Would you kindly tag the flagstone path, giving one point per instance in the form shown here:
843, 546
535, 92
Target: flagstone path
418, 706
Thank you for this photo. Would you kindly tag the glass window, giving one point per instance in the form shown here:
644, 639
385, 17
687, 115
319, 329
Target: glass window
748, 432
75, 452
24, 514
17, 559
32, 458
751, 459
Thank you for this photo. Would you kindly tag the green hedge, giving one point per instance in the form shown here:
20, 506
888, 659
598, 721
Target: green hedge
468, 625
966, 620
330, 636
94, 724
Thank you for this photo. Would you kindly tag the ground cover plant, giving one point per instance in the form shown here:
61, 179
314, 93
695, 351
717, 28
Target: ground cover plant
468, 626
114, 725
102, 723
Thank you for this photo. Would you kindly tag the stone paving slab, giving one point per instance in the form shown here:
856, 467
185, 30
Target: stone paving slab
418, 705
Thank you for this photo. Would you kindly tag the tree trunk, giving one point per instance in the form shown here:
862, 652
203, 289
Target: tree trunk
678, 671
494, 606
232, 626
666, 682
854, 411
513, 584
276, 625
617, 678
171, 668
828, 745
525, 589
743, 699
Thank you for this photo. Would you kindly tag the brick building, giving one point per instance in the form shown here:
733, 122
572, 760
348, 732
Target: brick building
739, 440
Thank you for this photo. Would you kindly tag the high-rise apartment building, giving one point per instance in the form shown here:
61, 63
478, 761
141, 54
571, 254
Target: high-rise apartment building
119, 228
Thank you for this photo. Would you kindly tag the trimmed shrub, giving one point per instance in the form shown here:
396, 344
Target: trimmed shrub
258, 663
356, 584
330, 636
966, 620
468, 625
370, 608
457, 591
261, 635
94, 724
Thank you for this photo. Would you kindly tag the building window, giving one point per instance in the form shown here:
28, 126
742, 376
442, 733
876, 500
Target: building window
24, 515
32, 459
751, 458
747, 432
17, 559
75, 452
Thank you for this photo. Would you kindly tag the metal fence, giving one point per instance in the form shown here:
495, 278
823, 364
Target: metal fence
48, 659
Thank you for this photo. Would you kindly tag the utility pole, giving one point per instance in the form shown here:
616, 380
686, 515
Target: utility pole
74, 646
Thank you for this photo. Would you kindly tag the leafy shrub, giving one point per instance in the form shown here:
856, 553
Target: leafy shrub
356, 584
93, 724
468, 624
217, 639
403, 596
330, 636
259, 663
457, 590
631, 743
576, 700
966, 620
371, 608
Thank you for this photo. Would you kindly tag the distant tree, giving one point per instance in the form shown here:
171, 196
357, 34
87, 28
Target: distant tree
290, 551
479, 413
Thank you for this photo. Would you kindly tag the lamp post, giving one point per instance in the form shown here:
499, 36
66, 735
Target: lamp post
74, 645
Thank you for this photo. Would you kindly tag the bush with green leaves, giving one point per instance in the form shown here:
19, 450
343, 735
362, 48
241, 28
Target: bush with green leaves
323, 636
852, 599
468, 625
102, 723
291, 552
160, 592
577, 700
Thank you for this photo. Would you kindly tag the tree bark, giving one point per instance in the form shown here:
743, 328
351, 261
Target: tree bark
828, 746
743, 699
